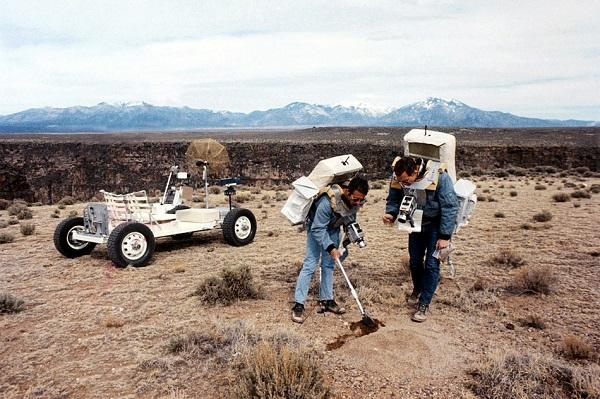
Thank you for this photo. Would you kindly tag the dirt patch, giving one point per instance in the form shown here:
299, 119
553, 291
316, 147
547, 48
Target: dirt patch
359, 329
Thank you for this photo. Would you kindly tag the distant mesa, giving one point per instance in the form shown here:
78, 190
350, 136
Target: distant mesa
144, 116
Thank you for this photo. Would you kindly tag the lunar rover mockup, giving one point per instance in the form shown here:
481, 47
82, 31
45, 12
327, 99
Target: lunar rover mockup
129, 224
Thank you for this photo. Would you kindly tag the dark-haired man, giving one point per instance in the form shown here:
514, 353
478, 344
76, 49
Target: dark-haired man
335, 207
440, 206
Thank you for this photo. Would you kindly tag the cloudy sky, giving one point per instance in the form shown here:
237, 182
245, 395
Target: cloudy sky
531, 58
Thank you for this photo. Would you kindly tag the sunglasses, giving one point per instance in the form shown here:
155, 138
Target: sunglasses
357, 201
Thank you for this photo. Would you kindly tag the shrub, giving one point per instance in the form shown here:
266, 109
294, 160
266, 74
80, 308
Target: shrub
73, 213
561, 197
581, 194
67, 200
513, 193
491, 199
55, 215
582, 169
113, 321
10, 303
5, 238
4, 204
255, 190
536, 281
62, 206
198, 344
16, 208
27, 229
573, 347
376, 185
25, 214
518, 374
477, 171
232, 285
500, 173
214, 190
533, 321
517, 171
506, 258
499, 215
3, 224
540, 187
12, 221
268, 372
543, 216
241, 198
595, 188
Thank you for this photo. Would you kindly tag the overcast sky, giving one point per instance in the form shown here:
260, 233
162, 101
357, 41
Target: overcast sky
530, 58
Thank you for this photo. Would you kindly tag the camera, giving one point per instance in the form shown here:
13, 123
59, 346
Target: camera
355, 235
407, 210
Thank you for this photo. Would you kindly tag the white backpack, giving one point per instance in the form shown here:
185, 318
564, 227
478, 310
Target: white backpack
306, 188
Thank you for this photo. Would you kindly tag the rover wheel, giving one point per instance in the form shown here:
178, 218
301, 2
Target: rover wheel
131, 244
64, 242
239, 227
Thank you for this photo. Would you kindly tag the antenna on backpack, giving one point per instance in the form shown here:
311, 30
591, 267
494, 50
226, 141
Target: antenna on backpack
345, 161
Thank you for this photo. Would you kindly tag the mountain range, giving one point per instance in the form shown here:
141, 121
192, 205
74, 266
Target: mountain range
143, 116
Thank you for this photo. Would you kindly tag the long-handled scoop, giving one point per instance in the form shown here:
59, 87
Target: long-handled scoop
366, 319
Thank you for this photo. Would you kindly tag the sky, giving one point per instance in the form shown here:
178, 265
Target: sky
529, 58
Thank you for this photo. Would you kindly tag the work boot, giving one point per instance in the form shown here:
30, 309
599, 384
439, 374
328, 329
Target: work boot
330, 306
298, 313
413, 298
421, 313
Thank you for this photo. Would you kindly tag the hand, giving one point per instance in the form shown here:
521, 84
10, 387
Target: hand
335, 254
388, 219
442, 244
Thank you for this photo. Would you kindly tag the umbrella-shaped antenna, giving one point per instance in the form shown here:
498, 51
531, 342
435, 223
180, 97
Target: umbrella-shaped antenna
210, 153
207, 158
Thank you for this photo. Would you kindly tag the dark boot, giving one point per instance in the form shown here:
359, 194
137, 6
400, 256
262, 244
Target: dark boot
298, 313
330, 306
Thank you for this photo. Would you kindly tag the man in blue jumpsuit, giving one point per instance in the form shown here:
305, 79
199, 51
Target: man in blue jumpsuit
439, 219
337, 207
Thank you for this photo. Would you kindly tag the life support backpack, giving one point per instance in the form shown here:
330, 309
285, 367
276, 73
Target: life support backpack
324, 178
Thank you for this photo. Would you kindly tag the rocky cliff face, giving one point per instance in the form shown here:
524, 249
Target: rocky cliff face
46, 172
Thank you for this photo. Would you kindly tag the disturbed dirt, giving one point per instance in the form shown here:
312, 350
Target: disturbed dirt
92, 330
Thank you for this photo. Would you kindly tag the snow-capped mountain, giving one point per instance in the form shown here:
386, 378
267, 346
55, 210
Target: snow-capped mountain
144, 116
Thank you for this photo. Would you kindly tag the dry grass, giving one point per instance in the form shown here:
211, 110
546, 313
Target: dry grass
199, 344
27, 229
6, 237
232, 285
113, 321
581, 194
542, 217
10, 303
521, 375
4, 204
471, 301
506, 258
67, 200
574, 347
533, 321
538, 281
561, 197
15, 208
271, 372
25, 213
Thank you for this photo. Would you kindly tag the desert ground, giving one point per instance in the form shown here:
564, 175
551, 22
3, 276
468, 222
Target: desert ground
519, 319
